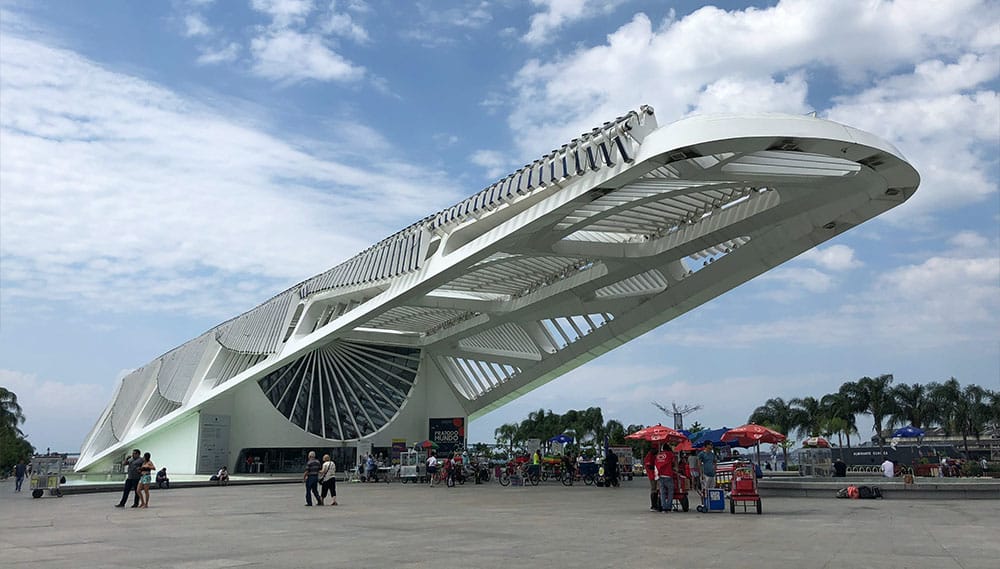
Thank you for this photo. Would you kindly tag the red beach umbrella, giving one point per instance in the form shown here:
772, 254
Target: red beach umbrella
816, 442
658, 434
752, 434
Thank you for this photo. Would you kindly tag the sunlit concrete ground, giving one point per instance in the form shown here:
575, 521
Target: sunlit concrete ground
396, 525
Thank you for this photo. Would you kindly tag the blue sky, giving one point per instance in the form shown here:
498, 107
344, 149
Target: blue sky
166, 166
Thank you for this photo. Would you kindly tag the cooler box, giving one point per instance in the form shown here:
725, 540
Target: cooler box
715, 501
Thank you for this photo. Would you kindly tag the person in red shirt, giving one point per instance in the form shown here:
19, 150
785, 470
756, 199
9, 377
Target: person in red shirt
649, 462
666, 462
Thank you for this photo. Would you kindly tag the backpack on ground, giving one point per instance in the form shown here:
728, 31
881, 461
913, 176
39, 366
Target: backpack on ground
869, 492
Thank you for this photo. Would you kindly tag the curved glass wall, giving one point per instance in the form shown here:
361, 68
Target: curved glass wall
344, 390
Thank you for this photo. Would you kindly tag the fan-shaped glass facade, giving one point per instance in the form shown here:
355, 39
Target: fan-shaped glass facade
344, 390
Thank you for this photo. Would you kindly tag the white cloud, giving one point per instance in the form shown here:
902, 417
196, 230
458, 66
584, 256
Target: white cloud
290, 56
833, 258
810, 280
762, 60
493, 161
57, 414
435, 25
342, 24
195, 26
969, 241
949, 135
938, 303
556, 14
284, 13
225, 54
734, 94
119, 195
286, 52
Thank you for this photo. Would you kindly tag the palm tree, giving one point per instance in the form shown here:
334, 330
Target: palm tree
841, 410
11, 414
914, 405
972, 413
615, 432
13, 445
994, 409
589, 423
946, 397
506, 434
778, 415
874, 396
811, 415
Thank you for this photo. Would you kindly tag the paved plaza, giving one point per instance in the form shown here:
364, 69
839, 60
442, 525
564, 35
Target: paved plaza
396, 525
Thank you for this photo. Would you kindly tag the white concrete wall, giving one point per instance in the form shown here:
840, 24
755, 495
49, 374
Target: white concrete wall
256, 423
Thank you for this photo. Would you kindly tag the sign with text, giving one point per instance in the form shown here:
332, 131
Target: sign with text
398, 447
448, 433
213, 443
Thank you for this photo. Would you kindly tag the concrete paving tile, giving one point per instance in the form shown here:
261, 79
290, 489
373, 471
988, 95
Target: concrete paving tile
405, 526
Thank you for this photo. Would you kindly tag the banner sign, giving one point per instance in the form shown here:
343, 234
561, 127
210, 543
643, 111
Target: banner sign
448, 433
398, 448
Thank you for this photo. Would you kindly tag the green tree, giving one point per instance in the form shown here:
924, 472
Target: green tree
913, 405
615, 432
972, 413
11, 414
779, 415
947, 397
506, 434
13, 445
811, 416
874, 396
841, 411
696, 428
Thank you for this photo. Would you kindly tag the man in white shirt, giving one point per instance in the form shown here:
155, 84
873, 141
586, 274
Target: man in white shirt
888, 469
432, 464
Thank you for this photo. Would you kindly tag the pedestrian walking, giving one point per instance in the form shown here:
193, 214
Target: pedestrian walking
432, 468
19, 470
132, 476
311, 478
328, 478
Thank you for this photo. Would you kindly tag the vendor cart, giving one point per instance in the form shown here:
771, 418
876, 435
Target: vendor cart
46, 474
743, 488
587, 471
712, 500
682, 486
409, 466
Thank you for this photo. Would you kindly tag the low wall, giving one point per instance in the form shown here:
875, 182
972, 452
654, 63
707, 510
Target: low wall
922, 489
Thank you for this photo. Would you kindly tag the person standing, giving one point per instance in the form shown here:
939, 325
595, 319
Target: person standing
311, 478
610, 469
19, 470
132, 478
145, 479
666, 462
649, 462
328, 478
707, 460
432, 468
888, 468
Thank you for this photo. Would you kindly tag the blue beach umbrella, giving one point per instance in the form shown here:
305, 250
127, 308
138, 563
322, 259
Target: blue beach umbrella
562, 439
908, 431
